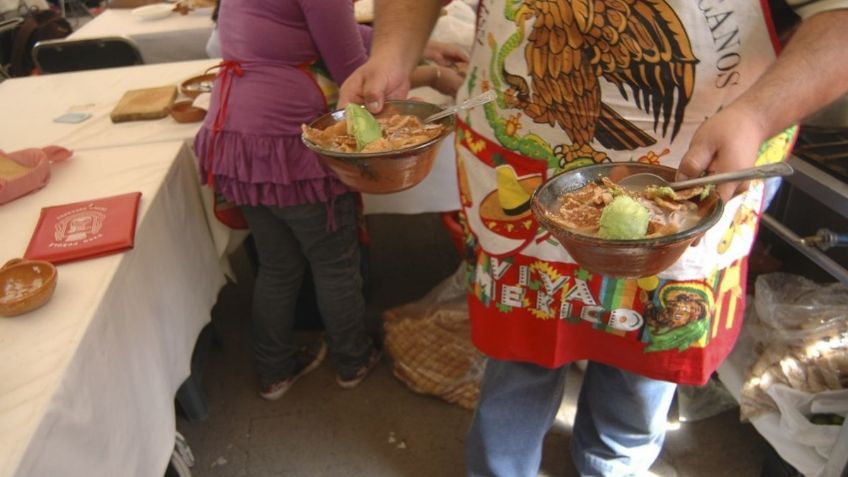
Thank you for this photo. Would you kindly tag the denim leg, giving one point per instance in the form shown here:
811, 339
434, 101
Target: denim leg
281, 269
620, 423
518, 404
334, 258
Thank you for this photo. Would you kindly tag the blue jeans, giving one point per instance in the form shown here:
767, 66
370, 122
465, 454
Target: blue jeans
289, 239
618, 431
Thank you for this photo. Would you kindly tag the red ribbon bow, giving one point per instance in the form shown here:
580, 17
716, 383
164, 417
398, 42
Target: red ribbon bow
227, 69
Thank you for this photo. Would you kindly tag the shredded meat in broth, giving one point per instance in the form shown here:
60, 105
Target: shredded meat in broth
669, 212
399, 132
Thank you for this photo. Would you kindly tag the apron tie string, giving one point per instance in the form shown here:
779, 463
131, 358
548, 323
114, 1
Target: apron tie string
228, 69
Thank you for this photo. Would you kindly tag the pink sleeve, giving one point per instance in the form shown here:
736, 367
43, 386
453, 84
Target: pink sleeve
335, 32
366, 32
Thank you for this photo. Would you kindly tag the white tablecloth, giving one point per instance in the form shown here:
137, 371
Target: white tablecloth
98, 91
33, 103
173, 38
87, 382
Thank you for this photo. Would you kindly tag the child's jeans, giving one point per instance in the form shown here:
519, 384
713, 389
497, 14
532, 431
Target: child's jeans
288, 240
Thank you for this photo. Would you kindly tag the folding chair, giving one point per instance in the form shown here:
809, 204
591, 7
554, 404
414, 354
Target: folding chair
59, 56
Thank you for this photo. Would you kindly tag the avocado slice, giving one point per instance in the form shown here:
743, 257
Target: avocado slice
362, 125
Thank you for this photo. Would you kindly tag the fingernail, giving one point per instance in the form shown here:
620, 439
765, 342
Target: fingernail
374, 106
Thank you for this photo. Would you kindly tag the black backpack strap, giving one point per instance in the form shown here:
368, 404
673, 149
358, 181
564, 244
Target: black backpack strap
37, 25
17, 65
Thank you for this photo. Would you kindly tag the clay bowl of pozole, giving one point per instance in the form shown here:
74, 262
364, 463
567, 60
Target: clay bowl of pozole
640, 235
399, 160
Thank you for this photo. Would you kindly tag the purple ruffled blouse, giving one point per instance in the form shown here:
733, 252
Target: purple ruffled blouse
257, 156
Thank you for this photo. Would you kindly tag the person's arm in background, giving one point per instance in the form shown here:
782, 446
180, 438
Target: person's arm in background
810, 73
444, 54
333, 28
442, 75
441, 78
401, 30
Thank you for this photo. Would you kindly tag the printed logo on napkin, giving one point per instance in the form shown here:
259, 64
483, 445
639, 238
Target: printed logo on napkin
85, 229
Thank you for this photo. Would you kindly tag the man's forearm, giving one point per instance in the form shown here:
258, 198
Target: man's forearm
402, 28
810, 73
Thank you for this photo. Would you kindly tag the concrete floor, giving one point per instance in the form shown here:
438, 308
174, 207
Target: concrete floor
382, 428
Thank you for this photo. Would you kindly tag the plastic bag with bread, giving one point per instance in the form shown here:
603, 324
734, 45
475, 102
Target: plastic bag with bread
27, 170
801, 340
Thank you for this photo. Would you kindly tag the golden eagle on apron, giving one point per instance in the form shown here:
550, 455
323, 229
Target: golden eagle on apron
640, 46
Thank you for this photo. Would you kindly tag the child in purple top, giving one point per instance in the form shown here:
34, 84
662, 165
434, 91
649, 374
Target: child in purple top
299, 213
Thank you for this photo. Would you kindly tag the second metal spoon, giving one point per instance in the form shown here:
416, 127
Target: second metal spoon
468, 103
639, 182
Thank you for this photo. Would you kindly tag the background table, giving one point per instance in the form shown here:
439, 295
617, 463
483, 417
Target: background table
98, 91
44, 98
173, 38
87, 382
40, 99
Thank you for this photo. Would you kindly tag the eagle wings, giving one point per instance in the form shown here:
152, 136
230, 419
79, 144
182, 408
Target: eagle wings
640, 46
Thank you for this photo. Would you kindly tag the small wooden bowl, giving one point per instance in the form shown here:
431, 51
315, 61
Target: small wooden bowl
196, 85
185, 112
25, 285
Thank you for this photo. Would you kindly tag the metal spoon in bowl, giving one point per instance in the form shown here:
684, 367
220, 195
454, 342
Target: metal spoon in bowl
638, 182
467, 104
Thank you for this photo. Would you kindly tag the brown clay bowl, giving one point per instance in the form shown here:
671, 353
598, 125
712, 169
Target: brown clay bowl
383, 172
185, 112
25, 285
194, 86
618, 258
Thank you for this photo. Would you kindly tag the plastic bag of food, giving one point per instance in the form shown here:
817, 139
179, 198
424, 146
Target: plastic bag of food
429, 341
793, 308
27, 170
801, 335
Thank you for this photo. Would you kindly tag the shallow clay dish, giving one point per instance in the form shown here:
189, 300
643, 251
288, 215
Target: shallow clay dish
196, 85
25, 285
185, 112
618, 258
389, 171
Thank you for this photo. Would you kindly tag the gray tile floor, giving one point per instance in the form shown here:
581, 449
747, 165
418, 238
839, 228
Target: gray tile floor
382, 428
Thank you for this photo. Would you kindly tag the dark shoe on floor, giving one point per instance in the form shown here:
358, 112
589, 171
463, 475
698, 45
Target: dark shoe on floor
349, 382
307, 359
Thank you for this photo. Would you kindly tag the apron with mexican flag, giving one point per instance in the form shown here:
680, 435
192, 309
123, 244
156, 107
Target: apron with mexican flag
580, 83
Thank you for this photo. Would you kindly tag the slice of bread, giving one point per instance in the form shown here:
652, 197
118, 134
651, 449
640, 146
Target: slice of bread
10, 169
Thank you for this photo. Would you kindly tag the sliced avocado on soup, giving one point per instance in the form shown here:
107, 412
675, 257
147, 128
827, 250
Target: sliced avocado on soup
362, 125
